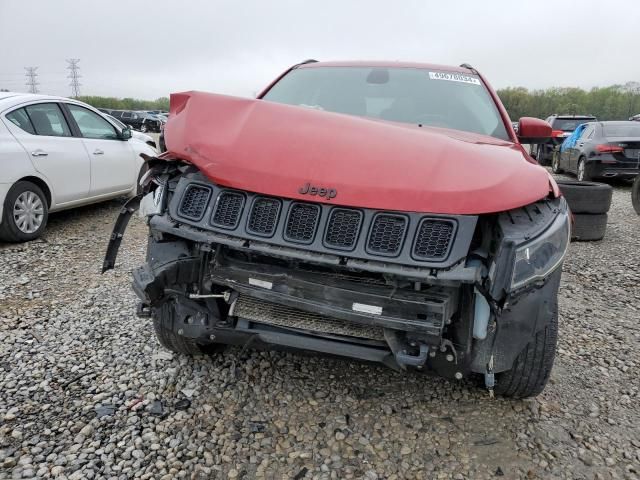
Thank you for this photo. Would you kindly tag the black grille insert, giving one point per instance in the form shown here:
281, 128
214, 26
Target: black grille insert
433, 239
343, 228
194, 202
387, 234
226, 213
264, 216
302, 222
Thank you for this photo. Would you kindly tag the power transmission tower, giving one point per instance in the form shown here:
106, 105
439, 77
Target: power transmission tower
74, 76
32, 82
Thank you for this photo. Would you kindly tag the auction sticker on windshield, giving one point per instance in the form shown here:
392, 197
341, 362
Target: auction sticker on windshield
454, 77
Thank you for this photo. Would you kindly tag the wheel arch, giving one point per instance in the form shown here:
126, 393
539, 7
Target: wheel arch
41, 184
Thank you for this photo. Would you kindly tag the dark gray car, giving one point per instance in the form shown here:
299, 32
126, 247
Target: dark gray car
603, 150
561, 127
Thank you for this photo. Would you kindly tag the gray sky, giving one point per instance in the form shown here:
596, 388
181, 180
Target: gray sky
147, 49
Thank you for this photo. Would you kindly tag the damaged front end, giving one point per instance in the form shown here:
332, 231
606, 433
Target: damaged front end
452, 295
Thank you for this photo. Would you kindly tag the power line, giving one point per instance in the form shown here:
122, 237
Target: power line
74, 76
32, 82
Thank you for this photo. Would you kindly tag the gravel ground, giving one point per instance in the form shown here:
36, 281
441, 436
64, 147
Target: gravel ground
87, 392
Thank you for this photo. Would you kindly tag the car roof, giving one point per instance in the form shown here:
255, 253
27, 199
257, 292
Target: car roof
384, 64
572, 116
9, 99
618, 122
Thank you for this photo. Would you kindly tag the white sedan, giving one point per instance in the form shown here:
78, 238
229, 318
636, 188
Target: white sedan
58, 153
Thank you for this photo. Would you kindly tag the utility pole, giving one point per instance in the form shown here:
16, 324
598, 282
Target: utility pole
74, 76
32, 82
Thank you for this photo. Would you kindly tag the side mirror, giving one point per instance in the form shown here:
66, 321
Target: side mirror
533, 130
125, 134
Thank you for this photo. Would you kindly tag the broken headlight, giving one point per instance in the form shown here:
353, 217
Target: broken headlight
542, 255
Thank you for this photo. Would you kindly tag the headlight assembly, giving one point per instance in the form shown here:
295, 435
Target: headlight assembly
539, 257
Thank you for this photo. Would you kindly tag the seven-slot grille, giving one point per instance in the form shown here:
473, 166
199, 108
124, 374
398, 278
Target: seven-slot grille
228, 208
194, 201
323, 227
387, 234
264, 216
343, 228
433, 239
302, 222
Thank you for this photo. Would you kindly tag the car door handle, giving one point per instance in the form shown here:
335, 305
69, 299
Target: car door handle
39, 153
97, 151
581, 144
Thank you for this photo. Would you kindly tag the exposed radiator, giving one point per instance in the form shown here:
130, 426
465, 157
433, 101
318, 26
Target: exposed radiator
259, 311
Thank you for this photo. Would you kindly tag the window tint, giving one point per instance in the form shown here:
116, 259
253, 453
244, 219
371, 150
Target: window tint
92, 125
408, 95
570, 124
21, 119
47, 119
587, 133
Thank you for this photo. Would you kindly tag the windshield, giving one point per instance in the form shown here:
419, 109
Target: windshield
622, 130
407, 95
570, 124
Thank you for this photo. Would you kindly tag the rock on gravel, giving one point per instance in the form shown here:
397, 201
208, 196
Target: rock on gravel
87, 392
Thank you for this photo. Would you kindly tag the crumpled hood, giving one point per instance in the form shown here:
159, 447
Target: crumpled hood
283, 150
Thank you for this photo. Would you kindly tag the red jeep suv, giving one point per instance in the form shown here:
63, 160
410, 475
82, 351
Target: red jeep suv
379, 211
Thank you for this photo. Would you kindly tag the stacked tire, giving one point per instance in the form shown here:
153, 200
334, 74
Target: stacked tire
589, 203
635, 195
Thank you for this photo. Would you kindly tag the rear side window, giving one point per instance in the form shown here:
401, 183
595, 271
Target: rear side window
47, 119
21, 119
570, 124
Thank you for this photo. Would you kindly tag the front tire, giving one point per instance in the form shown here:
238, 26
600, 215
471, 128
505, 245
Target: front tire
25, 213
583, 175
531, 370
555, 163
164, 319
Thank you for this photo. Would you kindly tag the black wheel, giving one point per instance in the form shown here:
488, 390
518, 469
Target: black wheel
555, 162
143, 128
25, 213
635, 195
586, 197
588, 227
583, 174
530, 372
164, 318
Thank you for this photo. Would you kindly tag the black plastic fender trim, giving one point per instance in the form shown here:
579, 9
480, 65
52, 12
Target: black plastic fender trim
119, 228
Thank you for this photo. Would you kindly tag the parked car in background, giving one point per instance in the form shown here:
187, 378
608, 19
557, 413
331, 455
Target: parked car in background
106, 110
140, 121
148, 139
635, 118
58, 153
561, 127
601, 150
383, 211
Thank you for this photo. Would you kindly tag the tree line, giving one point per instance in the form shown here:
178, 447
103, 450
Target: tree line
618, 102
114, 103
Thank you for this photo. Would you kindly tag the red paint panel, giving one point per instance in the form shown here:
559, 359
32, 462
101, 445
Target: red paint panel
277, 149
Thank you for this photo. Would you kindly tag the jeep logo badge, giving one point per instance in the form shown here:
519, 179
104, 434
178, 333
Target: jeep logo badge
327, 193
